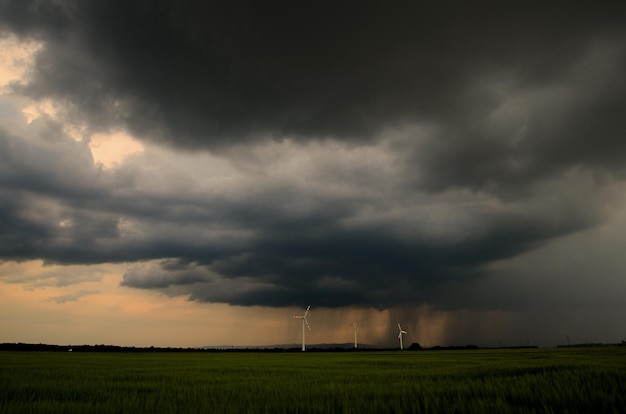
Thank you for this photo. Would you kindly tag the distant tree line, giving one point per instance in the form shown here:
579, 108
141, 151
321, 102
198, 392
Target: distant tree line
115, 348
88, 348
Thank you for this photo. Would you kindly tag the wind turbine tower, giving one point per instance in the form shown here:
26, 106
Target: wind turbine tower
303, 317
354, 324
400, 334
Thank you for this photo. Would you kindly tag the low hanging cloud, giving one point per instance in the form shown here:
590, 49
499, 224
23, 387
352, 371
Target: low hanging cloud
72, 297
350, 155
280, 238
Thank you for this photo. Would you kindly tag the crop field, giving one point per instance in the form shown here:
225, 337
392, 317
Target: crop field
577, 380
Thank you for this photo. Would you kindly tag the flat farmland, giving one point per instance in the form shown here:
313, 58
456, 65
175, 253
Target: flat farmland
568, 380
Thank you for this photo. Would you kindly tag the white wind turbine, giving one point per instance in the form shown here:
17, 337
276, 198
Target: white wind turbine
400, 334
303, 317
354, 324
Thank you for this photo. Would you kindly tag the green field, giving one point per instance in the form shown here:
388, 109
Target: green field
580, 380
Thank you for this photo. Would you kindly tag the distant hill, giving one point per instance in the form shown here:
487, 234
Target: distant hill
346, 346
342, 347
115, 348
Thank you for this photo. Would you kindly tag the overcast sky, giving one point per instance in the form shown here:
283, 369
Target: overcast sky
171, 172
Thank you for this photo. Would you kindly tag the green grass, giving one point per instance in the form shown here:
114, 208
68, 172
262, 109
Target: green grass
485, 381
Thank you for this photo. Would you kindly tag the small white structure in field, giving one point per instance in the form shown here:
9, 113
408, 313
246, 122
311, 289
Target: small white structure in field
400, 334
303, 317
354, 324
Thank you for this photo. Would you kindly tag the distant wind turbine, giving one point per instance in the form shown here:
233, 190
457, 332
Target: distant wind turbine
303, 317
400, 334
354, 324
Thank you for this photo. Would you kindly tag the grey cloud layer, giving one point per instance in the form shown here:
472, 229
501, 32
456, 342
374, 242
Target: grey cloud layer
458, 136
516, 92
269, 239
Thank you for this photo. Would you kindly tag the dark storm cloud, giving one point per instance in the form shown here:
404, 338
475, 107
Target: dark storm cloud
374, 267
537, 130
196, 73
217, 74
494, 112
279, 245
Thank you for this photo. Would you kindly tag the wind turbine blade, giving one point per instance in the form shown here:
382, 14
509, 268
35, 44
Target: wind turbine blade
307, 323
399, 327
307, 311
